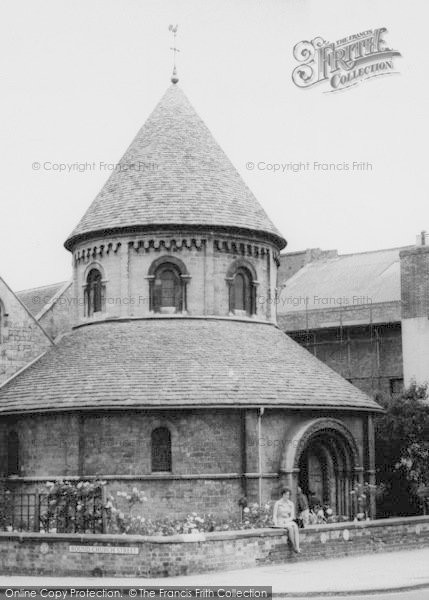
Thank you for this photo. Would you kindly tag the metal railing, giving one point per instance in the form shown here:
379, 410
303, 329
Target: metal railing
50, 513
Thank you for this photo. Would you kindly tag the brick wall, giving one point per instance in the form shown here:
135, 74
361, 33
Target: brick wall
415, 313
21, 338
49, 554
415, 282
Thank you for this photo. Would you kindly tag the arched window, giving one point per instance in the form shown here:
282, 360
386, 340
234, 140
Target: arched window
242, 292
168, 278
94, 293
161, 449
12, 453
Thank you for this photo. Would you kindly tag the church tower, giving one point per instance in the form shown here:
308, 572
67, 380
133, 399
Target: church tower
175, 231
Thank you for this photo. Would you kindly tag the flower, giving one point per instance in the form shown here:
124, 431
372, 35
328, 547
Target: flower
246, 509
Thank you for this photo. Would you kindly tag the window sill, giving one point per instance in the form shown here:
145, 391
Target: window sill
97, 316
242, 314
168, 310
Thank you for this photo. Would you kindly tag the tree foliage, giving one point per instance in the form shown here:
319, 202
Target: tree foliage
402, 451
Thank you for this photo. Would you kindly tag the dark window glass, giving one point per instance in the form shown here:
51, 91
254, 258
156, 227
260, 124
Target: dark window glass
161, 449
94, 292
167, 288
242, 292
12, 453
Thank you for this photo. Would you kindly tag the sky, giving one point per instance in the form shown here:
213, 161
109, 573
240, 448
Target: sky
81, 76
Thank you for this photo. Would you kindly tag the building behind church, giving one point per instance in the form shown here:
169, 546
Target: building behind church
366, 315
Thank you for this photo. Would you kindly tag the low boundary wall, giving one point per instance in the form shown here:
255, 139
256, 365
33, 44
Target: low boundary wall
140, 556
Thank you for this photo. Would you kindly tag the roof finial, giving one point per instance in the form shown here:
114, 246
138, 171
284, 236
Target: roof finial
174, 78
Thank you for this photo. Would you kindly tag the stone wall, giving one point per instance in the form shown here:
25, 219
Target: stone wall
215, 453
125, 262
21, 338
138, 556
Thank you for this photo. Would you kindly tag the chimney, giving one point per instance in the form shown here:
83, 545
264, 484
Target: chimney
414, 262
422, 239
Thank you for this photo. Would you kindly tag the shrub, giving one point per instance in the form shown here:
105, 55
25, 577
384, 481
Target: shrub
402, 451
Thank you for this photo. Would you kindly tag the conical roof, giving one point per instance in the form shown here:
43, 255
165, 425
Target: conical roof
174, 173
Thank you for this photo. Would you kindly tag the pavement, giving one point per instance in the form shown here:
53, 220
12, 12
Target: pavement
352, 575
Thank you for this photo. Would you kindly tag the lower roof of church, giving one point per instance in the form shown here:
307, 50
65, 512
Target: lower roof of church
178, 362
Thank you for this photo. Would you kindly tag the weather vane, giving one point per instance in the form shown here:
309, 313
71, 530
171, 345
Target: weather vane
173, 29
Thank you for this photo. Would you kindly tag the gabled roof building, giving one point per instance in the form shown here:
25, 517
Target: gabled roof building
175, 377
364, 314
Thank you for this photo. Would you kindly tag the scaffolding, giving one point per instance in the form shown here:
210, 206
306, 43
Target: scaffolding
342, 343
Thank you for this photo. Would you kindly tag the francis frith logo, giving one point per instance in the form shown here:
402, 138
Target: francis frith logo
344, 63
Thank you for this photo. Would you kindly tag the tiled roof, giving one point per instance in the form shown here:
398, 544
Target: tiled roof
356, 279
174, 173
35, 299
178, 362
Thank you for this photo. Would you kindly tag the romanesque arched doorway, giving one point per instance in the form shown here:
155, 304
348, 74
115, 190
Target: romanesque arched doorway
325, 461
326, 470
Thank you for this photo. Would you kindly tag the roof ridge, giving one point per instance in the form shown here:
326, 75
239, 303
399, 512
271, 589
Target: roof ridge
373, 251
40, 287
28, 311
65, 286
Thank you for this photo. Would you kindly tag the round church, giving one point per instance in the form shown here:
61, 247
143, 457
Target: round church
175, 378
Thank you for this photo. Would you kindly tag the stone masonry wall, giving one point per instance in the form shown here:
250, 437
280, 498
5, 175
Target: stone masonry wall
125, 263
207, 459
55, 554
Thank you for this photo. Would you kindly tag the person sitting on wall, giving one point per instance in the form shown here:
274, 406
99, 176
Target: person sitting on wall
303, 508
284, 517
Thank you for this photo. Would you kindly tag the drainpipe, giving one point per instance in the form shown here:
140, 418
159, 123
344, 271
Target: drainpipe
261, 412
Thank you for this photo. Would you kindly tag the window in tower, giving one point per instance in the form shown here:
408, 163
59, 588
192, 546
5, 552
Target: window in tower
242, 292
167, 280
94, 293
